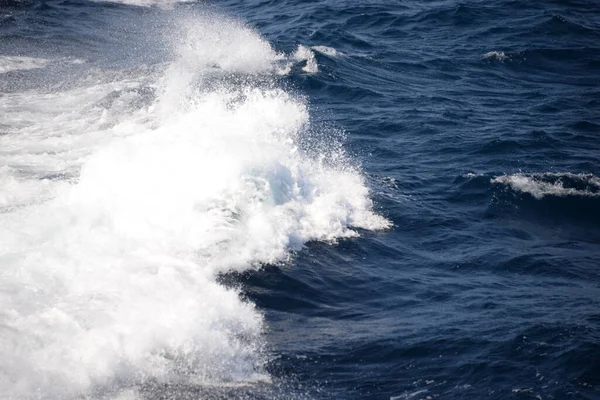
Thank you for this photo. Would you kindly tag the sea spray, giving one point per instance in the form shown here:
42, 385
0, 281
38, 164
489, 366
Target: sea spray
110, 275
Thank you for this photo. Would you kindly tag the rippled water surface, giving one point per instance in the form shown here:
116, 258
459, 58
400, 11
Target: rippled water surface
299, 200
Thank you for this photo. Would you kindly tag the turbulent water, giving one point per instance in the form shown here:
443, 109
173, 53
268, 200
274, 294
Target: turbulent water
299, 200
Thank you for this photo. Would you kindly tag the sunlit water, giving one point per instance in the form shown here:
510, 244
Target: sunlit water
320, 200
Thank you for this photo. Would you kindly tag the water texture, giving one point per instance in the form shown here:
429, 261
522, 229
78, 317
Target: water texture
299, 200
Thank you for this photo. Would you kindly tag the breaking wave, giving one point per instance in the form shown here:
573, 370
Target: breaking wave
124, 199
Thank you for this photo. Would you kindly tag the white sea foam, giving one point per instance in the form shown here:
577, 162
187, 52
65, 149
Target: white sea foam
17, 63
109, 278
213, 41
48, 134
496, 55
304, 53
552, 184
329, 51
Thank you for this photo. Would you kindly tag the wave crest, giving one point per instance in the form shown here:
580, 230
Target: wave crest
544, 184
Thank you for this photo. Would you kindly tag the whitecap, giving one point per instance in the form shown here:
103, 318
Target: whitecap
305, 54
329, 51
544, 184
496, 55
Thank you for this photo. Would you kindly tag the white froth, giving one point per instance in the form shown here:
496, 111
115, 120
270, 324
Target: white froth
213, 45
329, 51
496, 55
225, 44
550, 184
109, 278
50, 134
304, 53
16, 63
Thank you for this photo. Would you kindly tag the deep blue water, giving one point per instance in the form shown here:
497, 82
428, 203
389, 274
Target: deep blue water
476, 127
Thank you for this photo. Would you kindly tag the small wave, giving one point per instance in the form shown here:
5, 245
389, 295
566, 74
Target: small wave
552, 184
560, 25
304, 53
496, 55
328, 51
17, 63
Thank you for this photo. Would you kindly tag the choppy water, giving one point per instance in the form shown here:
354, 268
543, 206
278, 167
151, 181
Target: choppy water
375, 200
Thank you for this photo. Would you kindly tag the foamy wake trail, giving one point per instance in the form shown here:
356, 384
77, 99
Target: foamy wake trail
552, 184
109, 280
